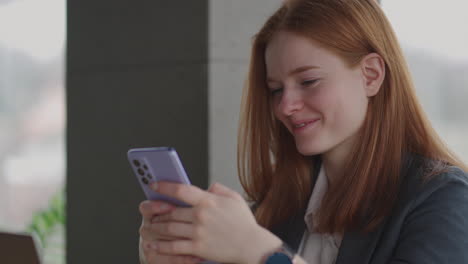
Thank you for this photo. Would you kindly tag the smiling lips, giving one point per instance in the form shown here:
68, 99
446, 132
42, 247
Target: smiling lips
302, 125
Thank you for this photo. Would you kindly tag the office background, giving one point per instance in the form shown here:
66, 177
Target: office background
154, 73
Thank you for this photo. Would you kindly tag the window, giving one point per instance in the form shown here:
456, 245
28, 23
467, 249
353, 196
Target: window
434, 37
32, 152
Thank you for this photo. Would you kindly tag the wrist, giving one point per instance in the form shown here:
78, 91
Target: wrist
283, 254
260, 245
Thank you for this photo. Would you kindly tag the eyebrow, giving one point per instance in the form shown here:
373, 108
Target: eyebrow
295, 71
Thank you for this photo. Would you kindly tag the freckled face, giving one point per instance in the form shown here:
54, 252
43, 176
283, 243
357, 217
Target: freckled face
317, 97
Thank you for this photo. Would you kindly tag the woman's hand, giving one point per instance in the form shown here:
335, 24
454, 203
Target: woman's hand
148, 237
219, 227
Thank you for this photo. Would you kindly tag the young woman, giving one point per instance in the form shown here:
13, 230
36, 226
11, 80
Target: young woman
335, 154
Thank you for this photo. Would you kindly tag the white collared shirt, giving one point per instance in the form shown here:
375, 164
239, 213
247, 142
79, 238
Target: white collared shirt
318, 248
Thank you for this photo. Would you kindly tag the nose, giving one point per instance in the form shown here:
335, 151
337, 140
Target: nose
291, 102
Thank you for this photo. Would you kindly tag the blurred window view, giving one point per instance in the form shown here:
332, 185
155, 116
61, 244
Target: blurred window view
32, 117
434, 38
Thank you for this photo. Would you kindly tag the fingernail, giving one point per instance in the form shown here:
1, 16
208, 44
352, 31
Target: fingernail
154, 186
164, 206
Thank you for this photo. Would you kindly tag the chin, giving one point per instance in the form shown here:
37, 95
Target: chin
309, 150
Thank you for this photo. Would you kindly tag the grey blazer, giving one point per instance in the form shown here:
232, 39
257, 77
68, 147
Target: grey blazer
428, 225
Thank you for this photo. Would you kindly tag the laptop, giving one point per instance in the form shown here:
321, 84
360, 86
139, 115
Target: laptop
17, 248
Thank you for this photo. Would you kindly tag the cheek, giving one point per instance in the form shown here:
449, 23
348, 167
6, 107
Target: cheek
276, 111
328, 103
278, 115
319, 100
349, 111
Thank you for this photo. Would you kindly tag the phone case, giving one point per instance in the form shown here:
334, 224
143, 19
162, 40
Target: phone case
157, 164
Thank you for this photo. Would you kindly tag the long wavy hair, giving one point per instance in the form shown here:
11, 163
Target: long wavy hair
277, 178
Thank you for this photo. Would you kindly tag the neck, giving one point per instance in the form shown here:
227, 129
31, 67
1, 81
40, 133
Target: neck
335, 160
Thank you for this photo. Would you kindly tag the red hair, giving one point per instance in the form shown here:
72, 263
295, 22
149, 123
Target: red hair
276, 177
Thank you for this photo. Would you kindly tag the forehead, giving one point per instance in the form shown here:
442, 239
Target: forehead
288, 51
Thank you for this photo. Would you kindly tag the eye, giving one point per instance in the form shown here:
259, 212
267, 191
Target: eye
309, 82
276, 91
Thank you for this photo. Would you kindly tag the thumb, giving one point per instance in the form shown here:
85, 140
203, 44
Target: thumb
219, 189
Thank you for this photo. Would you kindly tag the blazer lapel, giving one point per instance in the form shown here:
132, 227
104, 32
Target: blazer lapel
357, 247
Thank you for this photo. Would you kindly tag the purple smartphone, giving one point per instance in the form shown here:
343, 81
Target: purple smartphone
157, 164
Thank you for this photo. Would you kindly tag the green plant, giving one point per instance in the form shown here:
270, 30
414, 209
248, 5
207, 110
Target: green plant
44, 222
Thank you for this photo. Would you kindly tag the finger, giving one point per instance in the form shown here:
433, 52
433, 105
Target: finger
150, 236
150, 208
187, 193
219, 189
177, 247
178, 215
147, 233
173, 229
152, 256
210, 189
156, 258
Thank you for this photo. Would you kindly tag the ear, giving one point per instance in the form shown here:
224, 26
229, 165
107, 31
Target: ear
373, 73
